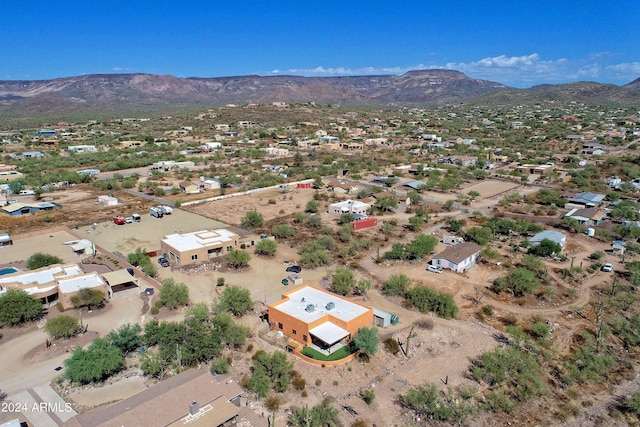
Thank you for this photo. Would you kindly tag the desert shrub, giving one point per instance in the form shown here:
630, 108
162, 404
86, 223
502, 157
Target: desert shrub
426, 299
298, 383
396, 285
219, 366
392, 346
367, 395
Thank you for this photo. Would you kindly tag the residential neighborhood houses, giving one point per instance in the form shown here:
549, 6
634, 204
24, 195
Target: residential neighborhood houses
297, 262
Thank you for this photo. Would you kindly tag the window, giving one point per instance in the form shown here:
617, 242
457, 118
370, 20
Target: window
280, 326
229, 248
304, 338
294, 332
194, 257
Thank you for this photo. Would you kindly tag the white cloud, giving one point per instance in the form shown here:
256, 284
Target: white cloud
119, 69
519, 71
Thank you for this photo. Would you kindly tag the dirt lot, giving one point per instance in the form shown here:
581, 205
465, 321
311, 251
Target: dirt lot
232, 210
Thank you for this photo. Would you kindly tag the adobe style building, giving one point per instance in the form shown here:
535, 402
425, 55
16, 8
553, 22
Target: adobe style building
59, 282
314, 317
199, 246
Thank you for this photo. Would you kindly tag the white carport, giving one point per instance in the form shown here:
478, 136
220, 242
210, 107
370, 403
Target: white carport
328, 336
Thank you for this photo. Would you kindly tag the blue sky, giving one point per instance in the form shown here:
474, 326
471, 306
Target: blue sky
518, 43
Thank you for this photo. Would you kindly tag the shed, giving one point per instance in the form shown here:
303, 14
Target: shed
381, 318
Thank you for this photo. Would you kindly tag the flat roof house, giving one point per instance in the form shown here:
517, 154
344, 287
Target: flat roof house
198, 246
458, 258
314, 317
349, 206
56, 281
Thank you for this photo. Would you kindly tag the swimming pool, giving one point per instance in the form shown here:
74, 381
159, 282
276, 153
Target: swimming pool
8, 270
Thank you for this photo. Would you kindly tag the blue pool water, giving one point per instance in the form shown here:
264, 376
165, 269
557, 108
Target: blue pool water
8, 270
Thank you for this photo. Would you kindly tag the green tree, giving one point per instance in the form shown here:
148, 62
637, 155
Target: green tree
416, 222
173, 295
396, 285
127, 338
88, 297
571, 224
342, 280
283, 231
312, 206
238, 259
62, 327
314, 221
138, 257
39, 260
270, 370
219, 366
454, 225
95, 364
366, 341
422, 245
346, 218
546, 248
16, 185
518, 281
386, 203
414, 197
266, 247
236, 300
480, 235
252, 219
17, 307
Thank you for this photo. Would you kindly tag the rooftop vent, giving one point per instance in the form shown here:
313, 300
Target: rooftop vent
330, 305
194, 408
303, 299
310, 308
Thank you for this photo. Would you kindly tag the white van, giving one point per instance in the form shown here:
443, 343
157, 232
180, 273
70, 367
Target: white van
434, 269
27, 193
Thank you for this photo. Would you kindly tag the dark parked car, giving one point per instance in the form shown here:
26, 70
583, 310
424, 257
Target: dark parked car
294, 269
149, 291
162, 258
164, 263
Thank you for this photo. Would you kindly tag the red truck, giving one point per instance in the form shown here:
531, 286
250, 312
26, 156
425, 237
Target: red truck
119, 220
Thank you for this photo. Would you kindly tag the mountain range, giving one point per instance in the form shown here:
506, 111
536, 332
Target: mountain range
115, 92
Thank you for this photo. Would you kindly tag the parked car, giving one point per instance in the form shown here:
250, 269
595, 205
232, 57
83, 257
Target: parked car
119, 220
434, 269
166, 210
162, 258
128, 220
285, 282
136, 218
165, 263
607, 268
149, 291
294, 269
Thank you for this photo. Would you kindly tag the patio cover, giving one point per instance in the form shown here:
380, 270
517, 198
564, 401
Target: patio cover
329, 333
119, 277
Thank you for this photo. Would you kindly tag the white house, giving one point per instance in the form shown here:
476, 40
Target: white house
82, 149
349, 206
458, 258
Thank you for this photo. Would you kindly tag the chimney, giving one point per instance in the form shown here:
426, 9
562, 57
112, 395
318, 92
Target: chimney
194, 408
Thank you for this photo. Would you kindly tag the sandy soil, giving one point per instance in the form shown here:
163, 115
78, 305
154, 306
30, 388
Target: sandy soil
91, 397
232, 210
